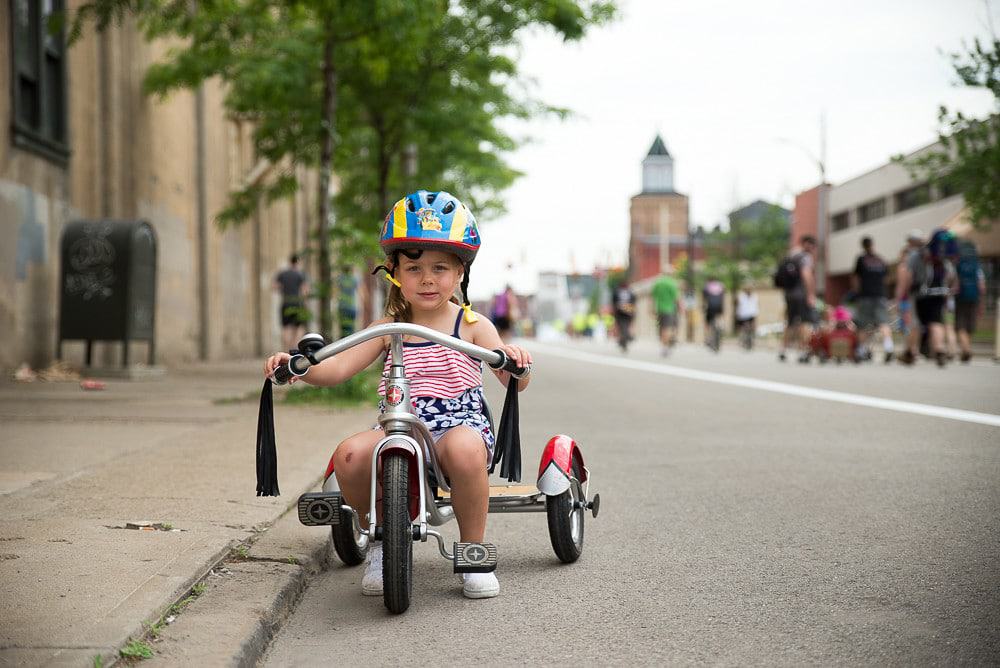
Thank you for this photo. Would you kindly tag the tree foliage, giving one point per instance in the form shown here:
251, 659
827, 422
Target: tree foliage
424, 78
968, 160
748, 250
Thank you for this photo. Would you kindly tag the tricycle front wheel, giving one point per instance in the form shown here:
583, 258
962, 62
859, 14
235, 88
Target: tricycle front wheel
565, 514
397, 535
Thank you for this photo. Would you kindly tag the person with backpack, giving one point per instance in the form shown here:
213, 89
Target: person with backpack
871, 309
931, 280
910, 254
969, 297
796, 279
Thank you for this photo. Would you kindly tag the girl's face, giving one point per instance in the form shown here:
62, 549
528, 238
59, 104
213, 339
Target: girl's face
429, 281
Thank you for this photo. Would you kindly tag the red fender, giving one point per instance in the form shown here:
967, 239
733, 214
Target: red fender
557, 465
330, 483
329, 467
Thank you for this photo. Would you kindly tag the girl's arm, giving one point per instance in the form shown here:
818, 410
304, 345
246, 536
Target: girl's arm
484, 333
335, 370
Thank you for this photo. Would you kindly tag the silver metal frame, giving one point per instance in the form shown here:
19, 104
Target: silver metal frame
404, 429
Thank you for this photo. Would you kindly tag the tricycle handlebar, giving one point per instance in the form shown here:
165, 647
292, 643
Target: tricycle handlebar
300, 363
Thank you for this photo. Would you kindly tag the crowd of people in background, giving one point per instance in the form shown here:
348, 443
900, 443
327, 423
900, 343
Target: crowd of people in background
939, 290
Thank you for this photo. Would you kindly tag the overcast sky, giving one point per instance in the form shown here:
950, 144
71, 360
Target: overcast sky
724, 83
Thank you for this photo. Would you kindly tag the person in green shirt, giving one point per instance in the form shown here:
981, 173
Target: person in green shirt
668, 305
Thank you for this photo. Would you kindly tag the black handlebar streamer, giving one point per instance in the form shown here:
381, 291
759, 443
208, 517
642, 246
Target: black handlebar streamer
508, 447
267, 452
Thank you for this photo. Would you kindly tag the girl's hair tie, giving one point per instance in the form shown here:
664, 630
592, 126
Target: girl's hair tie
388, 275
470, 317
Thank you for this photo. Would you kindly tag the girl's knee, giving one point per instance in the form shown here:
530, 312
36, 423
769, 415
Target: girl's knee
352, 454
466, 454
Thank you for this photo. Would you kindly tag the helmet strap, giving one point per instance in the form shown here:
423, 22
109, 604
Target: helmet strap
388, 275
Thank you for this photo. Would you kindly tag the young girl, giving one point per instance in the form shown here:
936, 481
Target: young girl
430, 240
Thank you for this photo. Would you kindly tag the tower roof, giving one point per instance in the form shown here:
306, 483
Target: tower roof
658, 148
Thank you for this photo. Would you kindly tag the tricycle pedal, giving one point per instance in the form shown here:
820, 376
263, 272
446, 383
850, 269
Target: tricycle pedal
320, 508
475, 557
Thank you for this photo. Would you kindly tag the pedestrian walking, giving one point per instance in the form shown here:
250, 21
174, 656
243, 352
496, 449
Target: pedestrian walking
623, 304
667, 304
871, 312
931, 281
293, 286
969, 296
909, 257
504, 311
747, 309
796, 279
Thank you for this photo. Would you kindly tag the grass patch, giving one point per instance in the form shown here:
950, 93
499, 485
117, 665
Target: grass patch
136, 649
241, 551
177, 608
252, 395
359, 390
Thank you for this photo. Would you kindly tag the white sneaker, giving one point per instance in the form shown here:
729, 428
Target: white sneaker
480, 585
371, 583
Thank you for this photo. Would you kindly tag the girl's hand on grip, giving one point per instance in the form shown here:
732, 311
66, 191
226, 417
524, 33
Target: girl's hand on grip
273, 362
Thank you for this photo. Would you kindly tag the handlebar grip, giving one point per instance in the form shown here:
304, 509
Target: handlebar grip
510, 365
282, 374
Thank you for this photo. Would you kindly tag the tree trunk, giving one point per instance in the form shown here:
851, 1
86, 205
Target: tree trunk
325, 279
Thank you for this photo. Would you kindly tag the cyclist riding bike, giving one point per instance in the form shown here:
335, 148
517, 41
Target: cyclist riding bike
713, 297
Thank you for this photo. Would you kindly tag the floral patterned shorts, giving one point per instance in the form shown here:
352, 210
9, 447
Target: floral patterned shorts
440, 415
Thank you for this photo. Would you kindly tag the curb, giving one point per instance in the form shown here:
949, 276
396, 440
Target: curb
245, 601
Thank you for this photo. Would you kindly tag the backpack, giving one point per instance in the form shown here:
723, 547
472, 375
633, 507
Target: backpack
788, 274
968, 277
932, 278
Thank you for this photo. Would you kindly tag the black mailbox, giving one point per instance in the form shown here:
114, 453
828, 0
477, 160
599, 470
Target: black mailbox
108, 287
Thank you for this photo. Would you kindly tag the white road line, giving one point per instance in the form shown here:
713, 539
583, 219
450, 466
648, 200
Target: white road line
772, 386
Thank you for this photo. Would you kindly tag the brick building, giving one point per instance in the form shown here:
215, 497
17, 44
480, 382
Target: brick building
659, 217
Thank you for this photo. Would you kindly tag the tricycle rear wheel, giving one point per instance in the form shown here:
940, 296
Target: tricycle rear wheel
397, 536
565, 514
350, 545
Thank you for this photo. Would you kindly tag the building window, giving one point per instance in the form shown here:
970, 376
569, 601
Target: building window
871, 210
840, 221
913, 197
38, 73
947, 188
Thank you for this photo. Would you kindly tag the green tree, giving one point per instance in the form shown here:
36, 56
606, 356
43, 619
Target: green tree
968, 160
748, 250
352, 87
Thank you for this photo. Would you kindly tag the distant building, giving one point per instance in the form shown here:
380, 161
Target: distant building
753, 212
805, 215
659, 217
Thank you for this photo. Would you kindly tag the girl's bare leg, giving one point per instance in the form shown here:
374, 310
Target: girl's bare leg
462, 455
352, 464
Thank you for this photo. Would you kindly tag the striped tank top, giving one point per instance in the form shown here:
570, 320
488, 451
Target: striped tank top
437, 371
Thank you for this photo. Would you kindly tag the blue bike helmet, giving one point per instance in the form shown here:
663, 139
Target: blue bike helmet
432, 221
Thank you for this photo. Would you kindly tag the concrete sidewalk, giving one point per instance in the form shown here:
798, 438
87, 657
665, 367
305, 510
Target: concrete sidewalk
77, 467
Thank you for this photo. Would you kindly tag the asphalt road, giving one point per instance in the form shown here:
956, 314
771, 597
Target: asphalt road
738, 525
